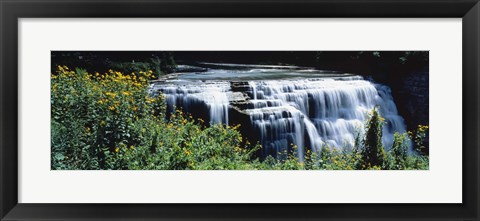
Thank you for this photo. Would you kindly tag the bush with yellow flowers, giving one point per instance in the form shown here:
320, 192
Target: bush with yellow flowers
109, 121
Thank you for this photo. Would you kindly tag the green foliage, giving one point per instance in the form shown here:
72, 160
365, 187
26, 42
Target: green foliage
134, 67
417, 162
373, 153
335, 159
180, 143
158, 66
160, 63
418, 137
415, 57
94, 115
167, 63
397, 156
109, 122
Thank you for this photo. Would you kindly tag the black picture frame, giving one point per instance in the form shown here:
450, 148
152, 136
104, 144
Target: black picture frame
11, 10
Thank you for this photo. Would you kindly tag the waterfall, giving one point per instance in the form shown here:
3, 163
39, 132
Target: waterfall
212, 96
293, 113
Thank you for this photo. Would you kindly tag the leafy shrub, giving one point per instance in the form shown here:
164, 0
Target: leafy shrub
156, 65
397, 156
93, 115
418, 137
108, 121
134, 67
373, 153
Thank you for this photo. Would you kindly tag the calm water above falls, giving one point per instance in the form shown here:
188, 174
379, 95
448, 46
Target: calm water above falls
281, 106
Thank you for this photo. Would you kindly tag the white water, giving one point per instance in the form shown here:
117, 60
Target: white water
305, 112
189, 97
330, 111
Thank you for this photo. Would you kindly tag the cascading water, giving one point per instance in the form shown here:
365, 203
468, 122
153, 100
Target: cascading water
332, 111
211, 95
295, 109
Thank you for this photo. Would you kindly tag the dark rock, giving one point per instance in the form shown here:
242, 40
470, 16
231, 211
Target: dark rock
413, 99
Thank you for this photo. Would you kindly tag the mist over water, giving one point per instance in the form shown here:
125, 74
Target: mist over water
286, 106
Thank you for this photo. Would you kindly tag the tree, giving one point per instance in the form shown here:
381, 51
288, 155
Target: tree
373, 154
399, 151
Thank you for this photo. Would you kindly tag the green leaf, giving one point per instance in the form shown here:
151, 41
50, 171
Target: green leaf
59, 156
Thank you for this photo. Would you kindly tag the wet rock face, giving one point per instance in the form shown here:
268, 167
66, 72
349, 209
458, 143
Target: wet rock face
413, 99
